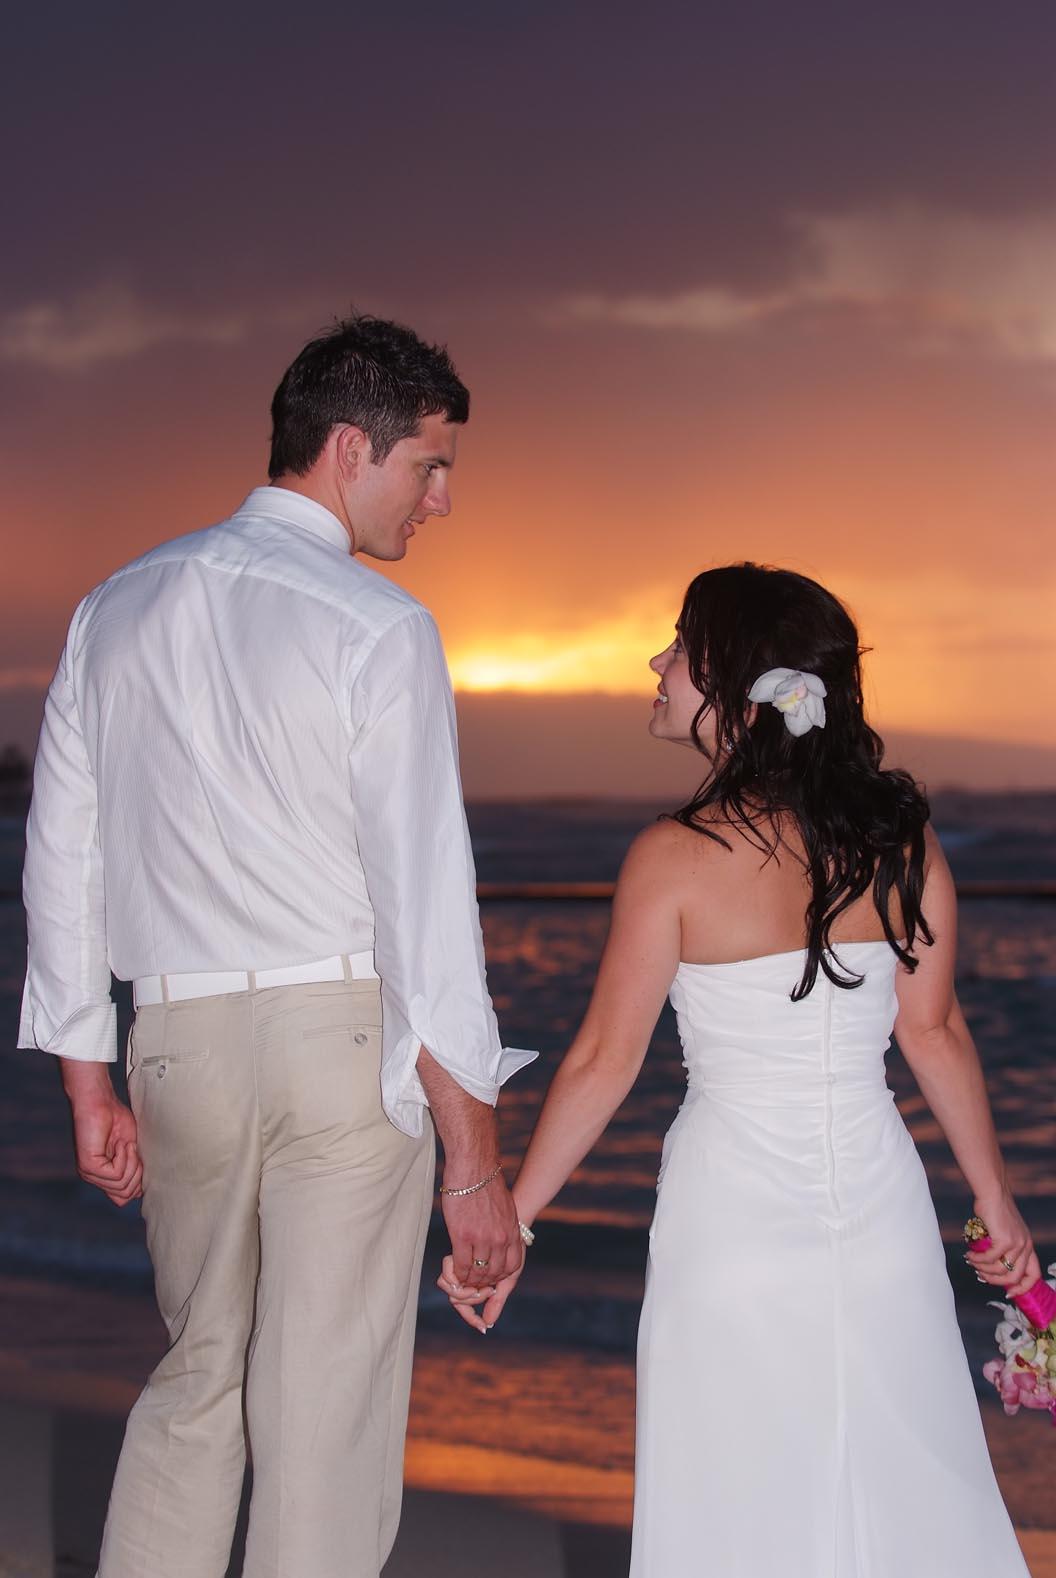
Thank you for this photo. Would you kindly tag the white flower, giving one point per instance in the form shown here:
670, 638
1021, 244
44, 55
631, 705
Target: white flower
797, 694
1014, 1332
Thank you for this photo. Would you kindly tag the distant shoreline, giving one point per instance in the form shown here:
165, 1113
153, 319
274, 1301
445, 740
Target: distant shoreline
14, 801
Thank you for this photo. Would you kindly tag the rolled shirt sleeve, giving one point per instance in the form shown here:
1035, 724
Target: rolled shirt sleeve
414, 846
66, 1004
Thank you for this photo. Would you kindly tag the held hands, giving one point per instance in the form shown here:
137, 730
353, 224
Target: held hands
464, 1299
1011, 1245
104, 1133
483, 1227
486, 1246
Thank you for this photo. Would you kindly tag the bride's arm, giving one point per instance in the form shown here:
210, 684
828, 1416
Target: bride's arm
637, 967
937, 1045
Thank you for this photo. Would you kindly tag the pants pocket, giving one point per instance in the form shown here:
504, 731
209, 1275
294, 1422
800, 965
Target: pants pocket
176, 1055
358, 1035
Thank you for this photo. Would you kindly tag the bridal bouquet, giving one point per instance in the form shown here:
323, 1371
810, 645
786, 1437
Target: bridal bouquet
1025, 1375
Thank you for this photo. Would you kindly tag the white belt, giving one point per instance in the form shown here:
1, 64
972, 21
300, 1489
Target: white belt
151, 989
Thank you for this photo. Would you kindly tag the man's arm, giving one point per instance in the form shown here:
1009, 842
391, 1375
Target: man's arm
482, 1225
66, 1006
104, 1131
441, 1045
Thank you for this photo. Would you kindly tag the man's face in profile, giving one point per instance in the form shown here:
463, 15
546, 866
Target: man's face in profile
388, 501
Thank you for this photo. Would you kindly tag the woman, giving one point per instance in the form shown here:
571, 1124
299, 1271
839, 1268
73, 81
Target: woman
805, 1408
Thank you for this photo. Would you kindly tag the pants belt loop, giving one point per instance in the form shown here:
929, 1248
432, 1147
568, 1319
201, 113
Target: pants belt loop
346, 966
165, 989
251, 976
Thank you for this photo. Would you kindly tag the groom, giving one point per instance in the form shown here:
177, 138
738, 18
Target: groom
247, 802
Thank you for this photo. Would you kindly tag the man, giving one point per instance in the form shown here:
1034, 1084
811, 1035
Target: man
247, 802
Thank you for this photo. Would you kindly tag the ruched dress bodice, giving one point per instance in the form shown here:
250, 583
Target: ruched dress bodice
804, 1403
798, 1087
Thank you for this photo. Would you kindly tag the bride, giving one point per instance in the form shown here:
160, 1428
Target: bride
804, 1403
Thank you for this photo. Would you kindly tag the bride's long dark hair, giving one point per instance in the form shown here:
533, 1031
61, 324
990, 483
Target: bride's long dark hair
862, 825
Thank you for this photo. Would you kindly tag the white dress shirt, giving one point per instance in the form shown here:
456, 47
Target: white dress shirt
249, 760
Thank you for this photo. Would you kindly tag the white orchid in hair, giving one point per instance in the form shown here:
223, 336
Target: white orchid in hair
796, 694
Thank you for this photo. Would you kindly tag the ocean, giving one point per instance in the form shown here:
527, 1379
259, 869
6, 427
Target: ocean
542, 956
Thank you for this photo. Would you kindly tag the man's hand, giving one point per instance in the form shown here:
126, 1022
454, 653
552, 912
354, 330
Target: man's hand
483, 1227
104, 1132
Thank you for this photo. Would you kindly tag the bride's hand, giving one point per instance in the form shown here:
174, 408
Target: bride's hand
465, 1299
1011, 1245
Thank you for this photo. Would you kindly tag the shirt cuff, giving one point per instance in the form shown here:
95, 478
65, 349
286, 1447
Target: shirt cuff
403, 1095
89, 1035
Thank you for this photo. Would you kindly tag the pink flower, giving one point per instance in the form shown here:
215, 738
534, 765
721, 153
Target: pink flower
1018, 1385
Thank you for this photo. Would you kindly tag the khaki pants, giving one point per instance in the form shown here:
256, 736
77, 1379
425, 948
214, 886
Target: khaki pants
286, 1219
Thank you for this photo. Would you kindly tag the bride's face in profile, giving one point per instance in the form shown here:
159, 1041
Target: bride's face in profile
678, 700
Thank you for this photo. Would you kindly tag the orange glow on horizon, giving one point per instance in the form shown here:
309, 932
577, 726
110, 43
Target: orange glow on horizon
926, 669
610, 656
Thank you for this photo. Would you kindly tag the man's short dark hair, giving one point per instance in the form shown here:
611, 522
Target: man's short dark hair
368, 372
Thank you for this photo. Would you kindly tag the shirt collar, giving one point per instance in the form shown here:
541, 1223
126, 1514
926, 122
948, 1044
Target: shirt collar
295, 509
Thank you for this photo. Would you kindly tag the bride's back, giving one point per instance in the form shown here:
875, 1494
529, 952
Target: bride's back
736, 903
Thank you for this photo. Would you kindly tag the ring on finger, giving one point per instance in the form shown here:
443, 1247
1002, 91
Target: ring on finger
1009, 1265
481, 1263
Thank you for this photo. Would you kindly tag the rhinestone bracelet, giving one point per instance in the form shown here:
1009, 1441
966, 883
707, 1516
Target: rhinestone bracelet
473, 1188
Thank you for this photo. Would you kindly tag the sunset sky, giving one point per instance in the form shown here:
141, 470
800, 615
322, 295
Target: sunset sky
763, 281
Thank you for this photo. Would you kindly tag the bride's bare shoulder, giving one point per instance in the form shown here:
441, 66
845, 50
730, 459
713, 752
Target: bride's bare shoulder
714, 849
666, 845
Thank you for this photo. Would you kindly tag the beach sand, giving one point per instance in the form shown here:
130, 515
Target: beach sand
514, 1448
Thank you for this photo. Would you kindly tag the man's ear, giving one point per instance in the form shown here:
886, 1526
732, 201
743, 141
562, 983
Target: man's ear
351, 450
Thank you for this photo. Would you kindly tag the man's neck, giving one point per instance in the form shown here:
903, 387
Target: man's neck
320, 491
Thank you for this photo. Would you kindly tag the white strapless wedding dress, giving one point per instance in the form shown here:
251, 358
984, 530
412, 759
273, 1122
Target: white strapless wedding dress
805, 1408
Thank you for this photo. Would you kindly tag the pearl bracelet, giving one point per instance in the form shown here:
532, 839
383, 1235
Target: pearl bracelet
473, 1188
527, 1236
